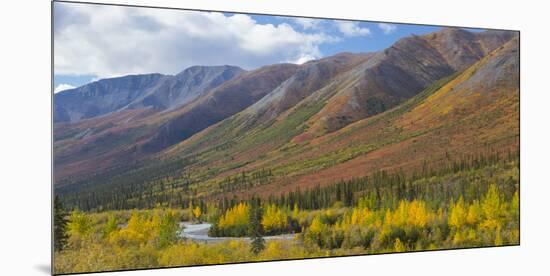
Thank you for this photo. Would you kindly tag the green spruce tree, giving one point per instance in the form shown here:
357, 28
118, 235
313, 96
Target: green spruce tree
59, 225
255, 227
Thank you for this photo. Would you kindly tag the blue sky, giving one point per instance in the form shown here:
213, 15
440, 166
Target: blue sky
376, 40
93, 41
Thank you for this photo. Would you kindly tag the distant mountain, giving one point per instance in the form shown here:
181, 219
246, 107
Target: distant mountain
103, 96
423, 99
136, 91
219, 103
187, 86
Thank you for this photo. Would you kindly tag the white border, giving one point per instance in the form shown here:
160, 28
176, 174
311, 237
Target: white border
25, 136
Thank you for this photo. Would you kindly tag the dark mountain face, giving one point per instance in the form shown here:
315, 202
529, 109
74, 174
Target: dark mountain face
461, 48
103, 96
309, 78
158, 91
494, 39
220, 103
187, 86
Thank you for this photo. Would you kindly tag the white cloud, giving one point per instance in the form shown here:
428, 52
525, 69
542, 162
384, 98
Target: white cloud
110, 41
387, 28
303, 59
308, 23
351, 29
62, 87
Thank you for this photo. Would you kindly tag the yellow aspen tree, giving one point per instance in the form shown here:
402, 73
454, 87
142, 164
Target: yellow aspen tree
238, 215
295, 211
79, 223
417, 213
398, 246
317, 226
492, 207
400, 215
514, 206
354, 217
492, 203
498, 237
474, 213
197, 212
457, 217
190, 210
274, 219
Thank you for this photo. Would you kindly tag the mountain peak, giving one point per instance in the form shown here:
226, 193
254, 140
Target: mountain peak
453, 30
462, 48
203, 68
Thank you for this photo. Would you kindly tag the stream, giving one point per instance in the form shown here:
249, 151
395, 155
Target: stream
199, 232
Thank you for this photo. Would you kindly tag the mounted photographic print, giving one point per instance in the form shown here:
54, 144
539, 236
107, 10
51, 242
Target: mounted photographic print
187, 137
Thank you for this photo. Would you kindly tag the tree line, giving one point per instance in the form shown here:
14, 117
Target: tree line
387, 188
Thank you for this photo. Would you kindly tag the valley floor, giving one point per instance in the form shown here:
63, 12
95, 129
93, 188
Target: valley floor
471, 206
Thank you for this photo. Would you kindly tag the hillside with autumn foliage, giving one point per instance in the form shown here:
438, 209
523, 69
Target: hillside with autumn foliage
334, 119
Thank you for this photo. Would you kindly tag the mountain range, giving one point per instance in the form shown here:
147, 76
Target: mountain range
425, 99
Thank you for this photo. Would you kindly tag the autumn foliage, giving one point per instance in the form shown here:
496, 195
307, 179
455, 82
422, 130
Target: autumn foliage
468, 207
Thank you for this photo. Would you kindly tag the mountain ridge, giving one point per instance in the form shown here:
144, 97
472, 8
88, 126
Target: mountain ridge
138, 91
285, 125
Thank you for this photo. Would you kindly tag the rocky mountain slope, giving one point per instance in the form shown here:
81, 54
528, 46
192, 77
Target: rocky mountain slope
136, 91
425, 100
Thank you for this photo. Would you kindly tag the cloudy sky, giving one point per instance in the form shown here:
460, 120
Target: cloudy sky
95, 41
